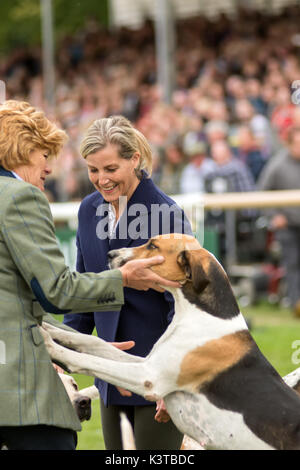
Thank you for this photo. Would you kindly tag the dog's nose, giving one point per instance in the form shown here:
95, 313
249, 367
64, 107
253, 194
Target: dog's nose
83, 402
112, 254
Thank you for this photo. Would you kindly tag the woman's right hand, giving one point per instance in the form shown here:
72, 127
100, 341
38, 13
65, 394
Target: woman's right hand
138, 275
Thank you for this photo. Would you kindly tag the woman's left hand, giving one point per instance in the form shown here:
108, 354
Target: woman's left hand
123, 345
161, 416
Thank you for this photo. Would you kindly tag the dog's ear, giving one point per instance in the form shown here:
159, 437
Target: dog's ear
189, 261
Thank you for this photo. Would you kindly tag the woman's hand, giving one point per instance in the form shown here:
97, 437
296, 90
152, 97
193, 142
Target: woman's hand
161, 416
123, 345
137, 275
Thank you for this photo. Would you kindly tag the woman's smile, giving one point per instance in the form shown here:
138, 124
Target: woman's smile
108, 189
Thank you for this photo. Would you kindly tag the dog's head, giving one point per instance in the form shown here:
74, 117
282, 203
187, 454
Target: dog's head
81, 403
185, 259
174, 248
203, 279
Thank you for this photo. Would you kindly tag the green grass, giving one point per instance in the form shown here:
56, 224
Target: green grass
273, 328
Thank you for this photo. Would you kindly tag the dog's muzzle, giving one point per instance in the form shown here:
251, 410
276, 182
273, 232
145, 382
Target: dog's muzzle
117, 258
83, 408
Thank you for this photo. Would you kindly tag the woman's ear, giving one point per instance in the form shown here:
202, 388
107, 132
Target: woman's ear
136, 160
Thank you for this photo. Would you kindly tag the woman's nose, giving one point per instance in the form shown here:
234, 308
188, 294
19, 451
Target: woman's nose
102, 180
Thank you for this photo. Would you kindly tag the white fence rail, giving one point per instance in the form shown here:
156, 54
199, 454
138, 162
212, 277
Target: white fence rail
67, 212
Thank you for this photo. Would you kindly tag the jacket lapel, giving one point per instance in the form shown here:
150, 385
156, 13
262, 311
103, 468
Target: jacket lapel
4, 172
133, 223
101, 244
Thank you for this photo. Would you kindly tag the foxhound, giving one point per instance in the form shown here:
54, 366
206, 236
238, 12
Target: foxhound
218, 387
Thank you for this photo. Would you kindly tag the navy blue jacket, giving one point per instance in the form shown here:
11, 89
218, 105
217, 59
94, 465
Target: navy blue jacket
145, 314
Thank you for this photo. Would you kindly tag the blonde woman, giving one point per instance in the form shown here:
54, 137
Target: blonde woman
35, 411
125, 211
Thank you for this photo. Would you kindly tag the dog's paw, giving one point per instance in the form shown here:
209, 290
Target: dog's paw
46, 336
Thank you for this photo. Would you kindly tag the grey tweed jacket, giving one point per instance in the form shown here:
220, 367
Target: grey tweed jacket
34, 280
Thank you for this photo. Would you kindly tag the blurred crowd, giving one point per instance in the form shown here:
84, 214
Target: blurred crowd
231, 109
233, 123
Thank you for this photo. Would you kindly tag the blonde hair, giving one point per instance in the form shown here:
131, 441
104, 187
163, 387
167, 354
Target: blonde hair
23, 129
119, 131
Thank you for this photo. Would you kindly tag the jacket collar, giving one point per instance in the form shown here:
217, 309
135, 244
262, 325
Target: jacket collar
4, 172
142, 197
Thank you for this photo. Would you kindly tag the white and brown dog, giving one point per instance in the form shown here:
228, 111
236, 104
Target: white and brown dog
218, 387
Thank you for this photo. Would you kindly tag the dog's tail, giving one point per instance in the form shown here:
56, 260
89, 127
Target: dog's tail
128, 441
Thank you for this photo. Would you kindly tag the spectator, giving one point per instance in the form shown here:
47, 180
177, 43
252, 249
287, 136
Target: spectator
230, 175
259, 124
216, 130
283, 172
236, 174
235, 89
282, 115
199, 166
254, 95
171, 168
249, 152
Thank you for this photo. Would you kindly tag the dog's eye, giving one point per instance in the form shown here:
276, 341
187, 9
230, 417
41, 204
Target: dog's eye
151, 246
75, 386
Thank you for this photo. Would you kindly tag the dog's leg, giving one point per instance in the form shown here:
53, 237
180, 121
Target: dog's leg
92, 392
133, 376
89, 344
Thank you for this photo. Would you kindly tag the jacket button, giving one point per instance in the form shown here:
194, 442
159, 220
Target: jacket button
105, 300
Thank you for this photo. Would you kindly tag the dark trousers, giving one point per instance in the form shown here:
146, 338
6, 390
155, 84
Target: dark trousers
38, 437
148, 433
